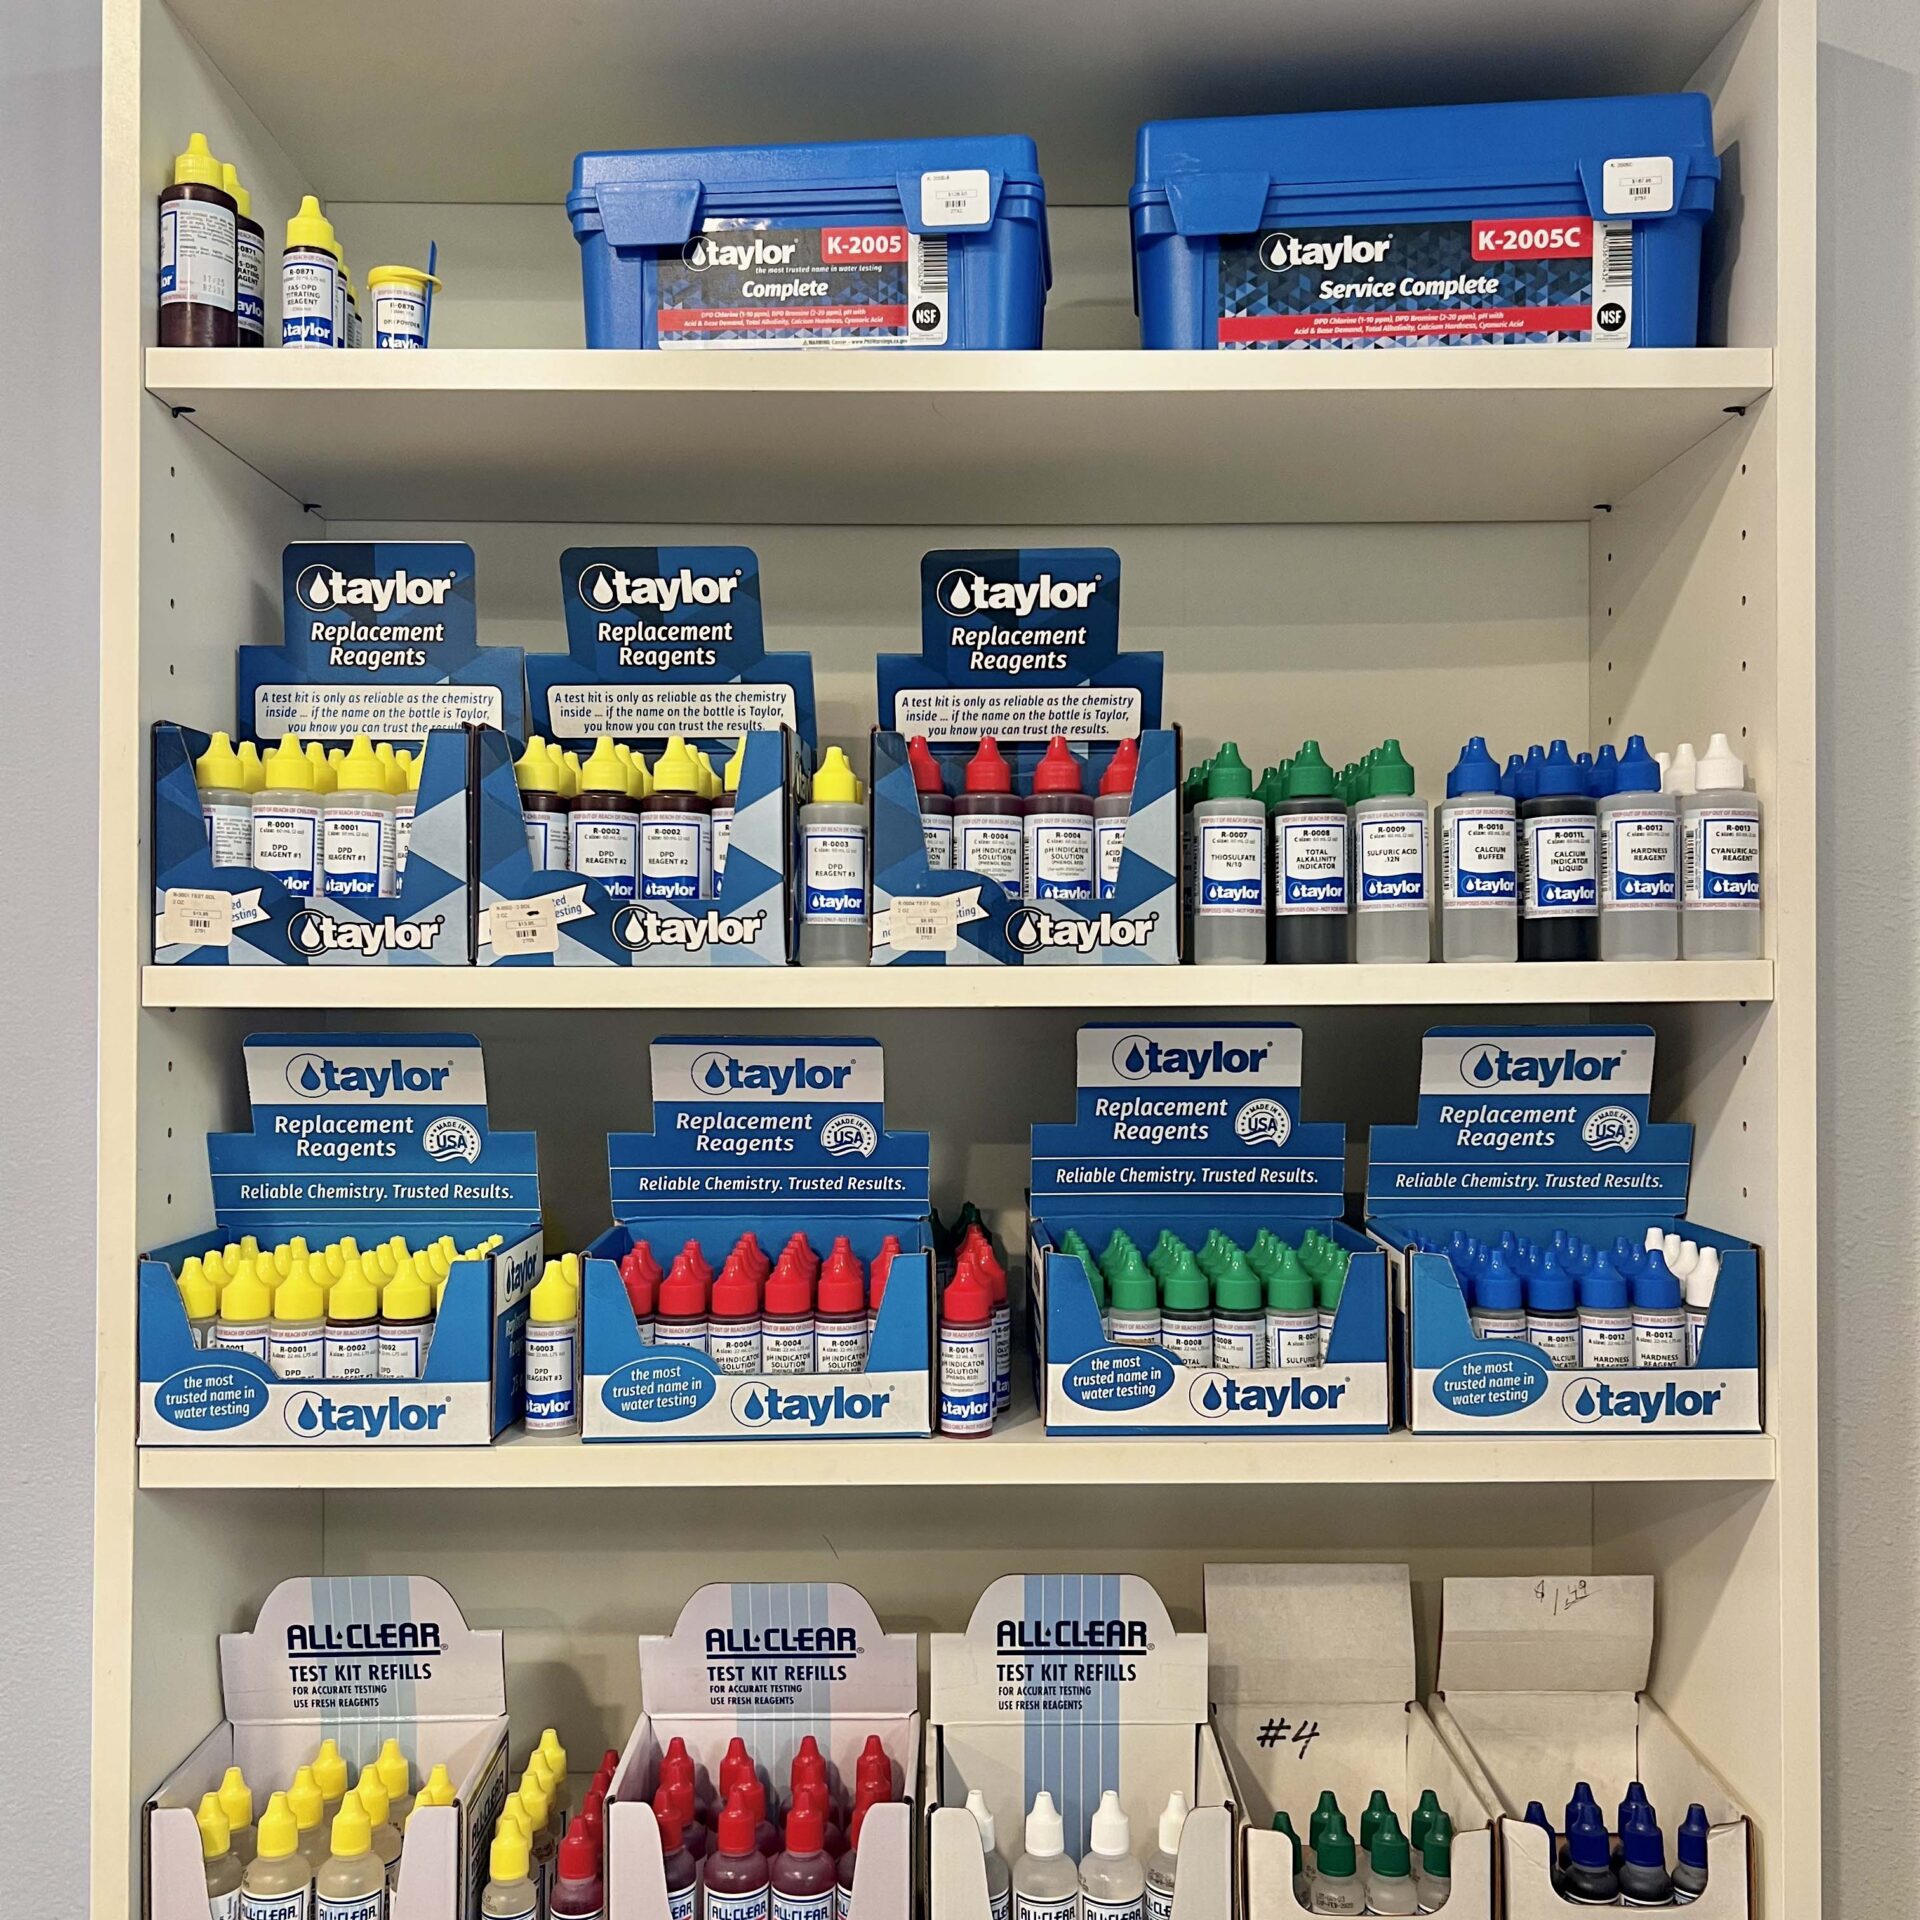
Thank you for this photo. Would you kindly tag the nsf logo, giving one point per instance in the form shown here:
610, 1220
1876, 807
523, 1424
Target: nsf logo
1611, 1130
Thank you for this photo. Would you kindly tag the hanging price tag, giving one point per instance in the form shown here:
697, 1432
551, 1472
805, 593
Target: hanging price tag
522, 926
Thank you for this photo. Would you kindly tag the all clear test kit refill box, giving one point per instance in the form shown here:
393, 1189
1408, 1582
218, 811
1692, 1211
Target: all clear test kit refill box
1189, 1129
772, 1138
264, 865
1529, 221
1023, 857
1313, 1689
771, 1665
665, 652
882, 243
1073, 1685
368, 1135
1542, 1683
358, 1661
1529, 1130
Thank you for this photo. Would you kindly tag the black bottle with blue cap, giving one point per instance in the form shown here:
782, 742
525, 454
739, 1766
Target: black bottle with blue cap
1559, 864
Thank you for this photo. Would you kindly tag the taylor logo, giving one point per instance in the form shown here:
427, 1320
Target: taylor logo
1029, 930
322, 589
1279, 251
961, 592
313, 933
314, 1076
604, 585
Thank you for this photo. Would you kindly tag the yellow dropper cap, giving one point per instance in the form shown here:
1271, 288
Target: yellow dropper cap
553, 1753
373, 1795
352, 1833
359, 770
382, 1256
198, 1294
514, 1815
836, 782
535, 1798
330, 1769
554, 1300
570, 1266
535, 771
310, 227
438, 1790
352, 1297
395, 1775
196, 167
323, 767
319, 1273
676, 770
507, 1857
336, 1260
279, 1834
604, 771
216, 1835
236, 1798
304, 1797
230, 180
220, 766
406, 769
287, 767
250, 1246
735, 761
245, 1299
298, 1298
405, 1297
253, 776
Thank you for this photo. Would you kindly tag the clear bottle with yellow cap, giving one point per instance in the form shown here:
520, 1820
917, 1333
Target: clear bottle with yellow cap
539, 773
278, 1881
296, 1340
324, 765
555, 1756
833, 868
253, 772
400, 296
510, 1893
534, 1796
286, 819
221, 1863
723, 807
330, 1770
309, 279
225, 804
406, 1325
309, 1815
437, 1790
553, 1353
371, 1791
199, 1299
397, 1777
676, 829
406, 800
246, 1314
236, 1802
197, 217
606, 823
356, 854
352, 1882
353, 1326
249, 264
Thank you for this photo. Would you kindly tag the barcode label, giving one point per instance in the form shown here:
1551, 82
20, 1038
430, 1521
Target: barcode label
1613, 283
927, 291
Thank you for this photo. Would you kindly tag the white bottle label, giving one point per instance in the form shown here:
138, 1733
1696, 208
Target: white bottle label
966, 1380
1237, 1344
1338, 1896
936, 829
399, 317
1559, 1340
833, 873
720, 826
1477, 859
841, 1346
1159, 1902
681, 1901
1393, 859
229, 833
356, 853
670, 850
224, 1906
307, 302
994, 848
276, 1906
240, 1339
734, 1346
1310, 863
361, 1906
736, 1906
403, 812
549, 844
1559, 868
803, 1906
551, 1372
1001, 1904
196, 254
1059, 857
1187, 1343
1109, 848
1606, 1343
286, 843
1722, 860
682, 1333
606, 848
403, 1349
1134, 1909
1696, 1332
1293, 1340
297, 1353
787, 1347
1134, 1329
250, 280
1659, 1342
1638, 861
1233, 870
1027, 1908
352, 1353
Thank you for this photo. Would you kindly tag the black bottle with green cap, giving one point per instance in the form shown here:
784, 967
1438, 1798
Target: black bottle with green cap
1239, 1316
1230, 855
1186, 1313
1309, 888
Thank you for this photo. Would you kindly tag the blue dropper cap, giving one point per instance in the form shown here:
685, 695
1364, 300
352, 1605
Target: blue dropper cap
1583, 760
1537, 1817
1509, 1240
1641, 1842
1606, 770
1476, 771
1559, 1238
1550, 1291
1530, 773
1497, 1288
1587, 1842
1625, 1252
1636, 1797
1690, 1843
1639, 771
1582, 1798
1654, 1286
1558, 774
1510, 779
1603, 1290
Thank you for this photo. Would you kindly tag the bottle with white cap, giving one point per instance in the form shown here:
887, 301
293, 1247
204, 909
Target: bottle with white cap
1697, 1288
1163, 1864
999, 1879
1046, 1884
1113, 1884
1719, 858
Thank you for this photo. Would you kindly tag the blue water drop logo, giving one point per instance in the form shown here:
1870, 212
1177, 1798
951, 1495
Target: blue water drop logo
307, 1419
716, 1074
310, 1078
1584, 1403
1213, 1399
1483, 1067
1136, 1060
753, 1408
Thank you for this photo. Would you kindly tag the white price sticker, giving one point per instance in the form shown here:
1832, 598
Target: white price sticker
924, 925
523, 926
1637, 186
962, 198
196, 917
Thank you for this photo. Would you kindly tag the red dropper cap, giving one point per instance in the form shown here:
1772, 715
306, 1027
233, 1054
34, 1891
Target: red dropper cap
873, 1769
580, 1854
676, 1764
986, 1263
737, 1823
593, 1804
1125, 763
640, 1275
843, 1285
806, 1826
683, 1293
987, 771
610, 1760
736, 1766
789, 1288
927, 777
882, 1267
736, 1294
691, 1253
968, 1300
1058, 771
673, 1835
754, 1254
754, 1793
809, 1764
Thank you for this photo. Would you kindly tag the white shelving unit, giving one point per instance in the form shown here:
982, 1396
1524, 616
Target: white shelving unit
1513, 542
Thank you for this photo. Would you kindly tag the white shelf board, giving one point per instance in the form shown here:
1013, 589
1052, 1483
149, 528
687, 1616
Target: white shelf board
568, 435
519, 86
1592, 983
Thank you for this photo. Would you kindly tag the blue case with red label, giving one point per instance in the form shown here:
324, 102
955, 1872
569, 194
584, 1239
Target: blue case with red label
1426, 226
923, 243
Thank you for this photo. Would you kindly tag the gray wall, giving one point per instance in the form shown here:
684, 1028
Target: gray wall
1870, 848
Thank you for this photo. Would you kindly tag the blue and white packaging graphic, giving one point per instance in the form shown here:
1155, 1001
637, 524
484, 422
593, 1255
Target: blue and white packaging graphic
1535, 1128
369, 1135
1542, 1682
357, 1660
770, 1137
1021, 644
772, 1664
1313, 1687
1193, 1127
1072, 1684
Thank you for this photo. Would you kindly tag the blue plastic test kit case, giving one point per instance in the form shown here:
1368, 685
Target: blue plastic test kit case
922, 243
1534, 221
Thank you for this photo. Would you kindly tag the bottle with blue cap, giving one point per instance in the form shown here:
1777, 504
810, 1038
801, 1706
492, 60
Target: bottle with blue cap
1553, 1320
1559, 863
1604, 772
1644, 1880
1639, 830
1606, 1318
1590, 1879
1498, 1310
1690, 1857
1659, 1315
1479, 884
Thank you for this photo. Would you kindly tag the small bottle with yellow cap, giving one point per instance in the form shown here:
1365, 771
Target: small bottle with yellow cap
510, 1892
310, 295
352, 1882
371, 1792
723, 807
540, 774
400, 298
236, 1802
286, 819
222, 1864
353, 1326
605, 825
278, 1882
553, 1353
676, 828
197, 217
199, 1298
296, 1340
833, 868
406, 1325
357, 841
225, 804
249, 263
309, 1816
246, 1313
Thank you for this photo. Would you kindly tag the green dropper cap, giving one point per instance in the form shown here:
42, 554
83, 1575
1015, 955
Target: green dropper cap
1235, 1288
1333, 1852
1272, 788
1131, 1288
968, 1216
1229, 777
1391, 774
1212, 1252
1325, 1808
1074, 1242
1308, 775
1436, 1850
1330, 1284
1183, 1287
1281, 1824
1288, 1288
1378, 1808
1164, 1250
1117, 1248
1389, 1852
1423, 1812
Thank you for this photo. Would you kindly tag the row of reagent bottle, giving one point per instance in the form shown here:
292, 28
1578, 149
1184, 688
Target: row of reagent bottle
334, 824
1405, 1870
1110, 1882
1627, 1867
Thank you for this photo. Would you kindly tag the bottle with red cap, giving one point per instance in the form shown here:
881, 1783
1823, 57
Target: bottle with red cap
840, 1317
733, 1330
640, 1276
766, 1836
786, 1323
803, 1875
809, 1771
936, 804
1059, 826
987, 1266
966, 1354
680, 1309
1112, 806
736, 1768
849, 1862
679, 1868
677, 1775
873, 1772
988, 833
578, 1890
877, 1276
734, 1878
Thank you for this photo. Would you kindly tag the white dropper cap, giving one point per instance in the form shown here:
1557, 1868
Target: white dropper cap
1046, 1838
1173, 1818
1701, 1282
1670, 1251
1655, 1238
1112, 1835
982, 1817
1684, 774
1665, 761
1689, 1258
1721, 770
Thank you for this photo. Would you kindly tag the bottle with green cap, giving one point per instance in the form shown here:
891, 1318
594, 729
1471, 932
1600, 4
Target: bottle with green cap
1186, 1312
1302, 1883
1310, 864
1389, 1886
1230, 841
1292, 1313
1323, 1810
1433, 1864
1378, 1808
1391, 912
1133, 1304
1336, 1878
1424, 1810
1239, 1316
833, 868
1328, 1284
